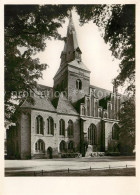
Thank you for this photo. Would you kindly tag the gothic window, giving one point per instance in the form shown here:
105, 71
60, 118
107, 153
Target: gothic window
50, 125
100, 113
62, 127
83, 110
88, 107
39, 125
105, 115
115, 132
96, 109
40, 146
62, 146
92, 134
78, 84
71, 146
109, 110
70, 128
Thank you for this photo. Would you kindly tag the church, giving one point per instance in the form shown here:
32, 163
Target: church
74, 118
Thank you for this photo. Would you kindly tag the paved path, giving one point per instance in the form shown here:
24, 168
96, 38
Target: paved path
60, 164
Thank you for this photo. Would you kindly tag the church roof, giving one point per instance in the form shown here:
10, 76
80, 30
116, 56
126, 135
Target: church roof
101, 93
78, 103
74, 63
60, 105
44, 87
64, 106
39, 104
79, 65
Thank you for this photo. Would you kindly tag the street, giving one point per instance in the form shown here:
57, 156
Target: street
62, 164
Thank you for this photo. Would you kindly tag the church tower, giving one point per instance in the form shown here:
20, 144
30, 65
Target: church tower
73, 76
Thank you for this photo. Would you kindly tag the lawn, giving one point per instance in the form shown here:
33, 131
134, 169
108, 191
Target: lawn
107, 172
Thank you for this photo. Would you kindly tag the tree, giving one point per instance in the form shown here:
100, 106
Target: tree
117, 23
27, 26
127, 127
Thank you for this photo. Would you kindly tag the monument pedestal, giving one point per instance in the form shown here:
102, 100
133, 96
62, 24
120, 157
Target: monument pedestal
89, 151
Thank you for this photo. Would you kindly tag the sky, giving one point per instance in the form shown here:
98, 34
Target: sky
95, 55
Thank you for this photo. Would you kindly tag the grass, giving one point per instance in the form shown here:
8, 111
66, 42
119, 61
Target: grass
107, 172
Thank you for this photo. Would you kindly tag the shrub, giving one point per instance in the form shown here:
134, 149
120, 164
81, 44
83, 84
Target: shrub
112, 153
69, 155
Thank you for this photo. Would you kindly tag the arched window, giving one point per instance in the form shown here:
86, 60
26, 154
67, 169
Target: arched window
39, 125
78, 84
109, 110
88, 107
71, 146
62, 127
92, 134
83, 110
50, 126
96, 109
62, 146
100, 113
115, 132
70, 128
105, 115
40, 146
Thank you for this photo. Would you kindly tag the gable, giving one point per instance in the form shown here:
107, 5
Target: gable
65, 107
39, 104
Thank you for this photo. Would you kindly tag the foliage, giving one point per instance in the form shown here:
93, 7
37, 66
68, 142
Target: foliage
113, 146
29, 26
117, 23
127, 126
26, 29
112, 153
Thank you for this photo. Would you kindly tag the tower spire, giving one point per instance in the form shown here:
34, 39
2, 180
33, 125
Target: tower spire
71, 49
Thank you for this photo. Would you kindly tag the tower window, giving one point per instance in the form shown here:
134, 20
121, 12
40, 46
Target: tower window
78, 84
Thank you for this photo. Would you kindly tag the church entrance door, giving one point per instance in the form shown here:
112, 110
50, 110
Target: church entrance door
49, 152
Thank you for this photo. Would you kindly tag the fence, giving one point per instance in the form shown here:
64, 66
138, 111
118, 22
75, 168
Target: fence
68, 170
